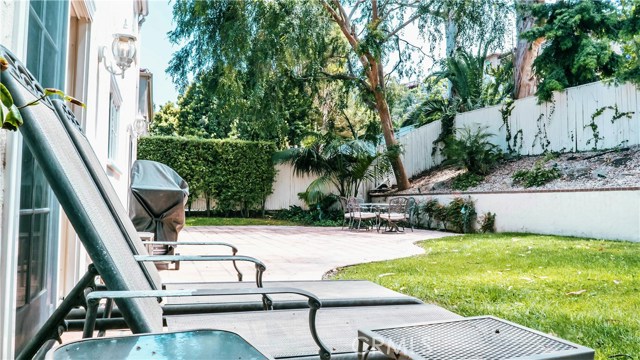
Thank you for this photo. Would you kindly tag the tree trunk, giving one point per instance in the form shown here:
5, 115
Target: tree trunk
390, 140
451, 39
525, 82
375, 74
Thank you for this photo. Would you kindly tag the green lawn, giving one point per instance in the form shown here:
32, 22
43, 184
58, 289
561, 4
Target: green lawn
586, 291
214, 221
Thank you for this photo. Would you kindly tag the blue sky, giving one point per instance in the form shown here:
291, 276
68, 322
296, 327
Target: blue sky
156, 51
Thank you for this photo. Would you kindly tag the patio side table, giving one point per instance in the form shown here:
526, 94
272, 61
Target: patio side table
187, 345
482, 337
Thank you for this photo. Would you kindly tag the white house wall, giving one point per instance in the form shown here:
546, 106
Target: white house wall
108, 19
13, 36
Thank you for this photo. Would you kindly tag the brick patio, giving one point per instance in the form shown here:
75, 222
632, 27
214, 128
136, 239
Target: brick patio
292, 252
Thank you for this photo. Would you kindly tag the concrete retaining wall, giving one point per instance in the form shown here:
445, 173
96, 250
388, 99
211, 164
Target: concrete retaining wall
612, 214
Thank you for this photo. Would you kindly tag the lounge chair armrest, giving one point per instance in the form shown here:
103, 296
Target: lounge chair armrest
234, 250
93, 301
260, 267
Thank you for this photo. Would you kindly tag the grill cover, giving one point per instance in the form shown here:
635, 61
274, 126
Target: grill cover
158, 197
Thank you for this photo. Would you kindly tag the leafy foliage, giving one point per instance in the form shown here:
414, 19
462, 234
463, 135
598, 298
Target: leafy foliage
472, 150
338, 162
165, 121
579, 35
487, 222
537, 176
236, 175
313, 217
474, 84
458, 216
630, 40
465, 181
256, 67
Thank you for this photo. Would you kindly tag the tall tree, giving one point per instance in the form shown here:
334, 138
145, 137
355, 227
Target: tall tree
374, 31
165, 121
252, 59
255, 40
630, 39
578, 48
526, 51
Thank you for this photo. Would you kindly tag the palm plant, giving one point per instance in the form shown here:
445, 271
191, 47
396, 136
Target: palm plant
472, 150
472, 85
465, 73
339, 163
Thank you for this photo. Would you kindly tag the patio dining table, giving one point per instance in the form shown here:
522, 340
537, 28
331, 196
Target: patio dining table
377, 208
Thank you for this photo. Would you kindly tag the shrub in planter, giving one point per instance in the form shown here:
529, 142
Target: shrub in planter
537, 176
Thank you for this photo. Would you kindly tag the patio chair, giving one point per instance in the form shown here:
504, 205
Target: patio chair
395, 214
361, 213
346, 212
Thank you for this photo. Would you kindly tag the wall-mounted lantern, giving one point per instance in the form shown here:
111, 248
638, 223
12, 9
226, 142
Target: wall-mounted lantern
123, 49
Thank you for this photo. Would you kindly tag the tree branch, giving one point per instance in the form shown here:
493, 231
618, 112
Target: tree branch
405, 24
340, 76
343, 13
413, 46
374, 10
346, 30
355, 7
332, 12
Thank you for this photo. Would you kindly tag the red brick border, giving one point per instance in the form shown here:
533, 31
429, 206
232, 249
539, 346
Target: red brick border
458, 193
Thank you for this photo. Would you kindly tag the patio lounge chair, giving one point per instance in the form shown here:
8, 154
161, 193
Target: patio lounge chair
103, 226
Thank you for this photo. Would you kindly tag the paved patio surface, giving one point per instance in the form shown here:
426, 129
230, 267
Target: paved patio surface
291, 252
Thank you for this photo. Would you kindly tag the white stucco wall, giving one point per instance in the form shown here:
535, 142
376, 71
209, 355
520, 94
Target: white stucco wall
12, 36
612, 215
109, 19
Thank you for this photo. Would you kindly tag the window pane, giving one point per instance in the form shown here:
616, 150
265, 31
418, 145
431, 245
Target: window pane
40, 189
26, 183
50, 72
38, 7
38, 251
23, 260
52, 16
33, 45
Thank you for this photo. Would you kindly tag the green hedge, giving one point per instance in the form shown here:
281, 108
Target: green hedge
235, 174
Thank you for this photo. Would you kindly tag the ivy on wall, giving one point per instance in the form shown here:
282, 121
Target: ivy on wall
513, 147
236, 175
617, 114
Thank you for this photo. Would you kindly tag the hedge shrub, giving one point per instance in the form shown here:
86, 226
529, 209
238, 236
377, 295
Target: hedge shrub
233, 174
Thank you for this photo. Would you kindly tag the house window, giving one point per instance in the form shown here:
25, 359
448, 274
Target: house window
115, 100
37, 260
